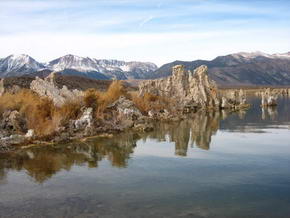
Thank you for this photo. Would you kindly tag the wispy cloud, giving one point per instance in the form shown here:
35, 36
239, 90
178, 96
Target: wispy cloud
146, 20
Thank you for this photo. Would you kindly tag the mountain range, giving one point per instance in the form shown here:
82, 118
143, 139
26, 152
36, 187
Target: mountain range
19, 65
254, 68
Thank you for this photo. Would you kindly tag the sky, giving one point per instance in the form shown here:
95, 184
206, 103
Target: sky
158, 31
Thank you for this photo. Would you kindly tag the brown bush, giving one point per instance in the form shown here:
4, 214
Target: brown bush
36, 111
150, 102
100, 100
44, 117
40, 113
91, 98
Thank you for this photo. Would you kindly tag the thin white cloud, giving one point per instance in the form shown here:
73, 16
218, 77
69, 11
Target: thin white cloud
146, 20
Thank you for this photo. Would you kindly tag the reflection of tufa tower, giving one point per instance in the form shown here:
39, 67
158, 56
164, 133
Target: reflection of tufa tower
196, 130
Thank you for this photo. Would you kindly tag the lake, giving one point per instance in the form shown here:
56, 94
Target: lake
214, 164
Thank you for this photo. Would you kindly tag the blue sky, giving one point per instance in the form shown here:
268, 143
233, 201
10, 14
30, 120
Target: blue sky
147, 30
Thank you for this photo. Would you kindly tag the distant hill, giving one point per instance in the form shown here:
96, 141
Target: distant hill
240, 69
72, 82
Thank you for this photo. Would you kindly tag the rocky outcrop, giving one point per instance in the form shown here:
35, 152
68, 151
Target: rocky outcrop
234, 99
268, 98
12, 122
185, 87
47, 88
125, 108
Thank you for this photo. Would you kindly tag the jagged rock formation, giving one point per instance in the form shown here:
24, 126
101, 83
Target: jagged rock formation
125, 108
268, 98
185, 87
47, 88
234, 100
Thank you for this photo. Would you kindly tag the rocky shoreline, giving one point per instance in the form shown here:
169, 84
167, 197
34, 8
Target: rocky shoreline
169, 99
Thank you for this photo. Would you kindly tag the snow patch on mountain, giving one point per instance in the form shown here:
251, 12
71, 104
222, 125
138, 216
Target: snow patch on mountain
17, 65
113, 68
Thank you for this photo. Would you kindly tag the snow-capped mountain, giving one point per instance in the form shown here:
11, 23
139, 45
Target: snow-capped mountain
258, 54
83, 66
15, 65
243, 68
110, 68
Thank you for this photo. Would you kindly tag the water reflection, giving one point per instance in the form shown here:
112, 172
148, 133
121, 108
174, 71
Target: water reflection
269, 113
258, 117
197, 130
41, 163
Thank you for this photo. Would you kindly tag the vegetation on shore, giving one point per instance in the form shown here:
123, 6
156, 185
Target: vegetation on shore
41, 115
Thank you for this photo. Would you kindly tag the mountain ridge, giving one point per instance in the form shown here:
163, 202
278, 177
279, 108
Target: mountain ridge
19, 65
243, 68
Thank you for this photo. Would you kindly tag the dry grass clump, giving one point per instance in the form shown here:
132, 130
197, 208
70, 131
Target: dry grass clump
44, 117
150, 102
39, 113
35, 110
100, 100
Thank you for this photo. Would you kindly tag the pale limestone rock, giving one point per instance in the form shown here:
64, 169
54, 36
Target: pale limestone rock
85, 120
268, 98
30, 133
184, 87
225, 103
13, 139
151, 113
47, 88
234, 99
125, 108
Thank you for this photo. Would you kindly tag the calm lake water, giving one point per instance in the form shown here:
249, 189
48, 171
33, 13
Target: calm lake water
213, 165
